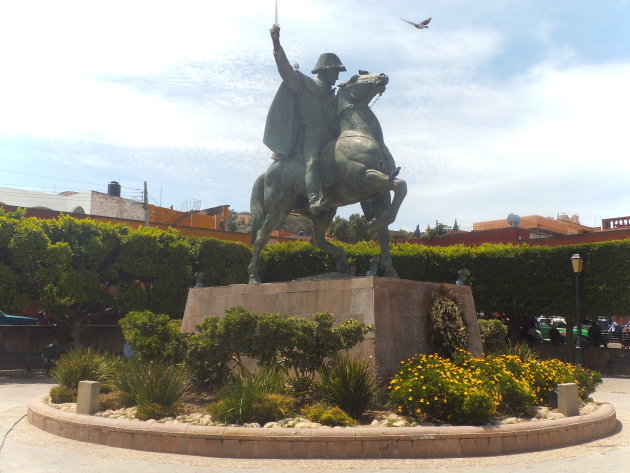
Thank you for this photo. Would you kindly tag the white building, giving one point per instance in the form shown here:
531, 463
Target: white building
86, 202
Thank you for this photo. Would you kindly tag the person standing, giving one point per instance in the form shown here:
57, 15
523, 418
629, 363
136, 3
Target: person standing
303, 115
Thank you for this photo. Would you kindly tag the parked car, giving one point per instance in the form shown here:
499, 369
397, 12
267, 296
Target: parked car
8, 319
544, 325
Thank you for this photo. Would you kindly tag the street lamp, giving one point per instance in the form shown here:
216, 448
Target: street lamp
578, 265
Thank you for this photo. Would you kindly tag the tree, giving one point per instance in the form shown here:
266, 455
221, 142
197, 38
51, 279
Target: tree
353, 230
297, 224
438, 231
455, 226
232, 224
417, 233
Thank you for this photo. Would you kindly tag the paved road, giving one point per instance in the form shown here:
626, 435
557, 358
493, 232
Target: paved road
30, 450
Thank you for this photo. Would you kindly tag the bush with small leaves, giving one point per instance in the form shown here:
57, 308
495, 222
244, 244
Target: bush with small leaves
493, 335
152, 410
327, 415
115, 400
63, 394
273, 407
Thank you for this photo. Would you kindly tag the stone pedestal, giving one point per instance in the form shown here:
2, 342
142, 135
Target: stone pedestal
398, 308
568, 400
87, 398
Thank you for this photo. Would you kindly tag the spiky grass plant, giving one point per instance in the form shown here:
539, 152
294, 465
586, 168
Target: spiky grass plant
244, 397
86, 364
154, 382
348, 382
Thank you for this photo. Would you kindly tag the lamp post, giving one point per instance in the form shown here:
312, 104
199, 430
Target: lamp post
578, 265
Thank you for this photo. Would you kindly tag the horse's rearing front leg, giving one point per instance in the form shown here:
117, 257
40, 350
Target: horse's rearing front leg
378, 181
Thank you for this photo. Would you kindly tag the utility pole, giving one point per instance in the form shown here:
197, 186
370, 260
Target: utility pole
146, 205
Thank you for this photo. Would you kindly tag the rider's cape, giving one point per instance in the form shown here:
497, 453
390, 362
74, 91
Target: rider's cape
282, 129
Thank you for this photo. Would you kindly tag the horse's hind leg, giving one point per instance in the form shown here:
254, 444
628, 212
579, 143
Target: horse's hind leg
271, 221
374, 209
321, 223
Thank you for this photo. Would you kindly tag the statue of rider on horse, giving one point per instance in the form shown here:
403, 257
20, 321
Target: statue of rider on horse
328, 152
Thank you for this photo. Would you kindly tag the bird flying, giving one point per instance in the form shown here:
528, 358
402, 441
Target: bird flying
422, 25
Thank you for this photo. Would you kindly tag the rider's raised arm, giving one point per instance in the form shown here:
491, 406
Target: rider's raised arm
289, 75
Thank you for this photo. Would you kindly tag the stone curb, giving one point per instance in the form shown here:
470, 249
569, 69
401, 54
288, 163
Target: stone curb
349, 442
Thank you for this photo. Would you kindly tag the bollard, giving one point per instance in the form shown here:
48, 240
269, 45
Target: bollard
87, 399
568, 403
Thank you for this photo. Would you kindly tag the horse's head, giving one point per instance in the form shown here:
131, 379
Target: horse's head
360, 89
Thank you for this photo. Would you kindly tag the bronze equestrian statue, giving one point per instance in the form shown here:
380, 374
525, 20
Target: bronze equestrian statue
352, 165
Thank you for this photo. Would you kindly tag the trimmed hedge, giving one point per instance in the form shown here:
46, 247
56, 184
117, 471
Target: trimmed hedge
519, 279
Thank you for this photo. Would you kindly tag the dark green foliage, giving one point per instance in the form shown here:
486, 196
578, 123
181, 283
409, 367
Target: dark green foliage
518, 280
63, 394
349, 383
326, 415
221, 262
317, 340
207, 356
446, 322
295, 342
493, 335
160, 263
356, 228
288, 261
80, 270
154, 337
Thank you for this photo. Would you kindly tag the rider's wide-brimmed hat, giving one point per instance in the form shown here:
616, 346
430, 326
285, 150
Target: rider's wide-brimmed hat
328, 61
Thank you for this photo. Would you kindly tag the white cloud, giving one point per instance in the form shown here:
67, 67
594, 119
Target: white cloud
177, 93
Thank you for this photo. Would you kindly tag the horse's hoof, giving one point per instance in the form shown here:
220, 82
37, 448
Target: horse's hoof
391, 274
254, 280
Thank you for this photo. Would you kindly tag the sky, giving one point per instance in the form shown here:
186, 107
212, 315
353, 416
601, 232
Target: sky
499, 107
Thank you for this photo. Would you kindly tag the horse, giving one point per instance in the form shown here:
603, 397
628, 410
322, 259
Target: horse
357, 167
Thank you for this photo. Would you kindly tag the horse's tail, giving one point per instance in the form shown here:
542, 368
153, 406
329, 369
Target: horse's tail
256, 205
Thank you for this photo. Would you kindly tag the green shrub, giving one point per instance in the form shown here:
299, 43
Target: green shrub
154, 336
153, 383
62, 394
115, 400
85, 364
207, 357
493, 335
326, 415
273, 407
348, 382
318, 340
446, 322
152, 410
221, 262
244, 392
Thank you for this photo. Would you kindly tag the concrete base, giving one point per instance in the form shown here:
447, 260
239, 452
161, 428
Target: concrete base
325, 442
398, 308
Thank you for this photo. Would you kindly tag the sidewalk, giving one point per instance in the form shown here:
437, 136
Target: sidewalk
28, 449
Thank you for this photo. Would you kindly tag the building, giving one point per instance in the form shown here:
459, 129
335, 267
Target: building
112, 208
535, 230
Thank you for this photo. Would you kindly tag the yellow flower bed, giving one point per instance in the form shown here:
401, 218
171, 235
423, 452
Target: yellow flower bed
469, 390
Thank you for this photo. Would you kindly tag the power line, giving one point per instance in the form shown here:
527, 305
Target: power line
59, 179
